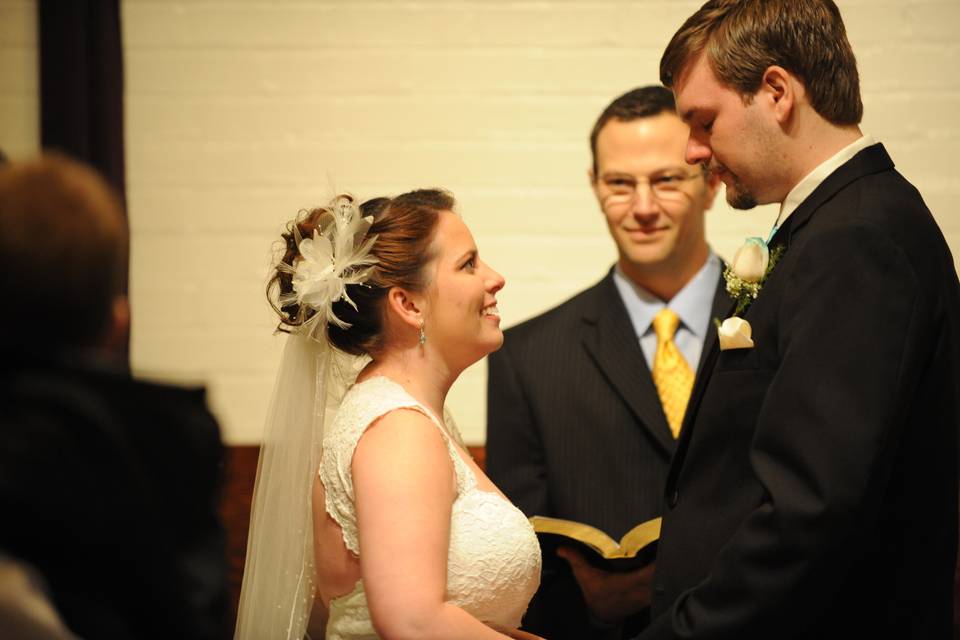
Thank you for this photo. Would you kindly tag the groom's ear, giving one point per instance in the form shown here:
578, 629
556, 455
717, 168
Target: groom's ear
780, 90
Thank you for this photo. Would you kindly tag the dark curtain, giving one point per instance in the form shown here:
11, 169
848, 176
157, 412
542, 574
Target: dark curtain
81, 83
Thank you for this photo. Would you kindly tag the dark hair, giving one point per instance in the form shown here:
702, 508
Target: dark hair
63, 252
742, 38
644, 102
404, 227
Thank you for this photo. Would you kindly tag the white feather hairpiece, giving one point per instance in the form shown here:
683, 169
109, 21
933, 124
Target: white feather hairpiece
337, 255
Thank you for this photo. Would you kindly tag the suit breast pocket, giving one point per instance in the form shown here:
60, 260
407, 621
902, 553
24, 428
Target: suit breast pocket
736, 360
760, 357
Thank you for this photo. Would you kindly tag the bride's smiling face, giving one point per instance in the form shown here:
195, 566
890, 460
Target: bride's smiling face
462, 320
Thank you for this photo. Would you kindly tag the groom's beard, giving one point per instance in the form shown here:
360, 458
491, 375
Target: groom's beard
738, 196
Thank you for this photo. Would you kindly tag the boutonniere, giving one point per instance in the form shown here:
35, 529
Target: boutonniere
751, 266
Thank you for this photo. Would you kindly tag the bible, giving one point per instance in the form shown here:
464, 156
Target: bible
637, 548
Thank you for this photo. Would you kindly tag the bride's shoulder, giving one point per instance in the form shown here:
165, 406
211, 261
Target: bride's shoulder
380, 413
403, 428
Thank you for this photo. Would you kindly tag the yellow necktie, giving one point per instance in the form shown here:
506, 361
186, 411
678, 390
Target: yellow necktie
671, 374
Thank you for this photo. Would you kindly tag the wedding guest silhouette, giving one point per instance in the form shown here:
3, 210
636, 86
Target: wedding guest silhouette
108, 484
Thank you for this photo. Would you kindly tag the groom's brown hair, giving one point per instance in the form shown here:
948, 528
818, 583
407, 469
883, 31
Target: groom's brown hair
742, 38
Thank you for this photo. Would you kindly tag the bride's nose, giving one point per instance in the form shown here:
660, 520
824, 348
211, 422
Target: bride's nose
495, 281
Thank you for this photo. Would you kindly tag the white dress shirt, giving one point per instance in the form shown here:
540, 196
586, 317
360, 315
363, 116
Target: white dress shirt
802, 190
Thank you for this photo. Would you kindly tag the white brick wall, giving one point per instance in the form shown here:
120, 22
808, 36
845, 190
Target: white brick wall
239, 113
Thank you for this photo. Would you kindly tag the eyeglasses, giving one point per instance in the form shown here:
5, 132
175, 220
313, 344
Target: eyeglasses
665, 187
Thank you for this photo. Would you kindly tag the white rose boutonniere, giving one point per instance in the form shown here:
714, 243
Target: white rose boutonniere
751, 260
751, 266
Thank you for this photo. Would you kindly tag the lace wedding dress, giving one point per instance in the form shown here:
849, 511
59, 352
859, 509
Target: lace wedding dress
493, 563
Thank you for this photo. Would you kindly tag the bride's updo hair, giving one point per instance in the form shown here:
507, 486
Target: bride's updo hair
404, 227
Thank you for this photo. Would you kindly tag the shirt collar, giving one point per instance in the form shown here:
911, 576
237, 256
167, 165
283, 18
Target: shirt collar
642, 305
805, 187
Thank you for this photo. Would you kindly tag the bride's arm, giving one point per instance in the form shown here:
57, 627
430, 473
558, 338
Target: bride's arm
405, 487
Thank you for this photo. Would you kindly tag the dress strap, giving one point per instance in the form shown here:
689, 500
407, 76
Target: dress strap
465, 478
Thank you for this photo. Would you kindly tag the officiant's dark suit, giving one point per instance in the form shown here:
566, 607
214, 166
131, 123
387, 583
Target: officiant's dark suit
575, 427
814, 490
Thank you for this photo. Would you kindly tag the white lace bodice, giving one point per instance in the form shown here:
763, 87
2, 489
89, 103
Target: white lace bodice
493, 563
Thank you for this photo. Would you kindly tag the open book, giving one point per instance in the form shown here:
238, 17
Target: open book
637, 548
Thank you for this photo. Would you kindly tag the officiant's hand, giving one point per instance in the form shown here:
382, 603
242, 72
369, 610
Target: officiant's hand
610, 596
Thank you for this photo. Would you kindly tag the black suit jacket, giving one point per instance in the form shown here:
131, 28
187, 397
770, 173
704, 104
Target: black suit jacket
814, 489
109, 487
575, 430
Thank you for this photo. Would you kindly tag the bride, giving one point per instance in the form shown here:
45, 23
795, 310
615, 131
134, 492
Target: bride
370, 519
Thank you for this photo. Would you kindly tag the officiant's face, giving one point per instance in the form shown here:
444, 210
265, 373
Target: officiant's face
462, 319
653, 201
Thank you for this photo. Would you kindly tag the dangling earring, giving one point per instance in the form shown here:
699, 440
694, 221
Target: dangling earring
423, 336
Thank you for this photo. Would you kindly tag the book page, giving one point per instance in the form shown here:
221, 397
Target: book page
640, 536
590, 536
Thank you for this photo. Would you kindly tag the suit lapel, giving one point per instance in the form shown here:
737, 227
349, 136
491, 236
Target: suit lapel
610, 340
723, 306
873, 159
719, 310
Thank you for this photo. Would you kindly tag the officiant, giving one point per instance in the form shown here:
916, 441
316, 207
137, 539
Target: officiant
585, 401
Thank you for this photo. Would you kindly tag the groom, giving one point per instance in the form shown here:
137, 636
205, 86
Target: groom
814, 489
